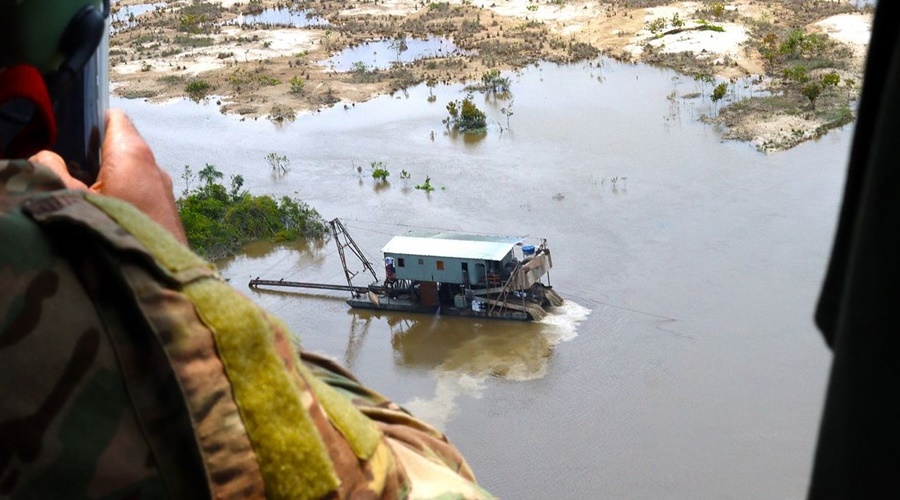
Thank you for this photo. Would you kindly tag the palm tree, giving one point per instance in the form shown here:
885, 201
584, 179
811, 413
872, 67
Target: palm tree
209, 174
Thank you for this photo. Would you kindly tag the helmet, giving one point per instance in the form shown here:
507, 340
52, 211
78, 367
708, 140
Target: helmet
48, 34
53, 79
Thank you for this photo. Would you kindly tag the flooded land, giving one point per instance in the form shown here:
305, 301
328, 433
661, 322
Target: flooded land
273, 59
684, 363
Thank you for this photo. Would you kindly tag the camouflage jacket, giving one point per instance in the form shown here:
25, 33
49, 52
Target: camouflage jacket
128, 368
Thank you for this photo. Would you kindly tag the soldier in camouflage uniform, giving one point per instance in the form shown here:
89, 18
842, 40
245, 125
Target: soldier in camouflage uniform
129, 368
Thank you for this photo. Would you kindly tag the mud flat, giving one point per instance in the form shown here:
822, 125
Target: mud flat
801, 60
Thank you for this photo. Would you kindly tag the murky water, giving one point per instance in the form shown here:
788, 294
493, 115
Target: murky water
382, 54
283, 16
685, 364
125, 16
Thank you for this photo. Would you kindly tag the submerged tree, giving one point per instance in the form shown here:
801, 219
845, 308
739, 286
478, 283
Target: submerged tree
507, 111
399, 46
704, 81
279, 163
431, 82
380, 171
492, 82
425, 186
465, 116
719, 94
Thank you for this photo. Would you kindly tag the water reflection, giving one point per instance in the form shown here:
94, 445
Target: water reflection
125, 16
461, 354
283, 17
467, 138
312, 250
382, 54
306, 256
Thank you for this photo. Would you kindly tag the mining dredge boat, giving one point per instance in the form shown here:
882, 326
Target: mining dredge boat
452, 274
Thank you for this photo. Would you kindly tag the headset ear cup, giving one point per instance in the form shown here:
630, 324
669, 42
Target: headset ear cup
82, 36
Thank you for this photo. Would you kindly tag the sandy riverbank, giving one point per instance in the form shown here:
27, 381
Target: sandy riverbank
275, 72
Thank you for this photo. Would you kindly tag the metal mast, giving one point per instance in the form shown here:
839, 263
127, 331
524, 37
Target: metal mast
343, 240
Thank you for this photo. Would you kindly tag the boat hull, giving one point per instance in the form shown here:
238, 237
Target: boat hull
385, 303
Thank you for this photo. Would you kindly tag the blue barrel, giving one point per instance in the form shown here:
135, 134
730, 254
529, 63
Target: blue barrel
528, 250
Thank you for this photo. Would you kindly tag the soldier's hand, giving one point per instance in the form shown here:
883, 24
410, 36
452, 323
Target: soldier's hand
128, 171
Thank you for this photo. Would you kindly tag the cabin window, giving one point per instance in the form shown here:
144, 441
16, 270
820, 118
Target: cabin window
440, 265
401, 262
421, 262
465, 267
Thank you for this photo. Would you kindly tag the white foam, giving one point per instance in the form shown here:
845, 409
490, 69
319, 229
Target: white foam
564, 320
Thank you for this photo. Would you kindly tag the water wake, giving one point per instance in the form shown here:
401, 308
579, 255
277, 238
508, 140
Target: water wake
516, 356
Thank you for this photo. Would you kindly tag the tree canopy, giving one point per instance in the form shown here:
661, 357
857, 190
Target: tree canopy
219, 221
465, 116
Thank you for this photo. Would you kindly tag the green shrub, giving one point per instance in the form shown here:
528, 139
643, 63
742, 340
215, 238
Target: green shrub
197, 89
297, 85
219, 222
362, 73
719, 92
171, 79
812, 91
711, 27
281, 113
492, 82
831, 79
465, 116
199, 17
797, 73
267, 81
193, 41
380, 171
657, 25
425, 186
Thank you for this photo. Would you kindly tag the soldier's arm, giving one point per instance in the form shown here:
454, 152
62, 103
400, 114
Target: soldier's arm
128, 172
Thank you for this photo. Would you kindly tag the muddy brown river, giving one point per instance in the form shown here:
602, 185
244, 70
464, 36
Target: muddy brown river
684, 364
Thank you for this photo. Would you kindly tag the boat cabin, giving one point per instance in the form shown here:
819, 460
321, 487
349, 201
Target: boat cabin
454, 258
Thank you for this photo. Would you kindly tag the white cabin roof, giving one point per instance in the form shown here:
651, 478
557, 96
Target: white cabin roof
452, 245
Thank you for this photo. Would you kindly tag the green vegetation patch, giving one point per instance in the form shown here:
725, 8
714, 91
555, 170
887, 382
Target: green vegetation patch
281, 113
139, 93
197, 89
171, 79
220, 221
491, 83
193, 41
199, 17
297, 85
362, 73
380, 171
465, 117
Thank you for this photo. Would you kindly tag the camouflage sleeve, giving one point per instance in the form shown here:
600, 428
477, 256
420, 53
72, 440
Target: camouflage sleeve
67, 426
129, 368
401, 428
